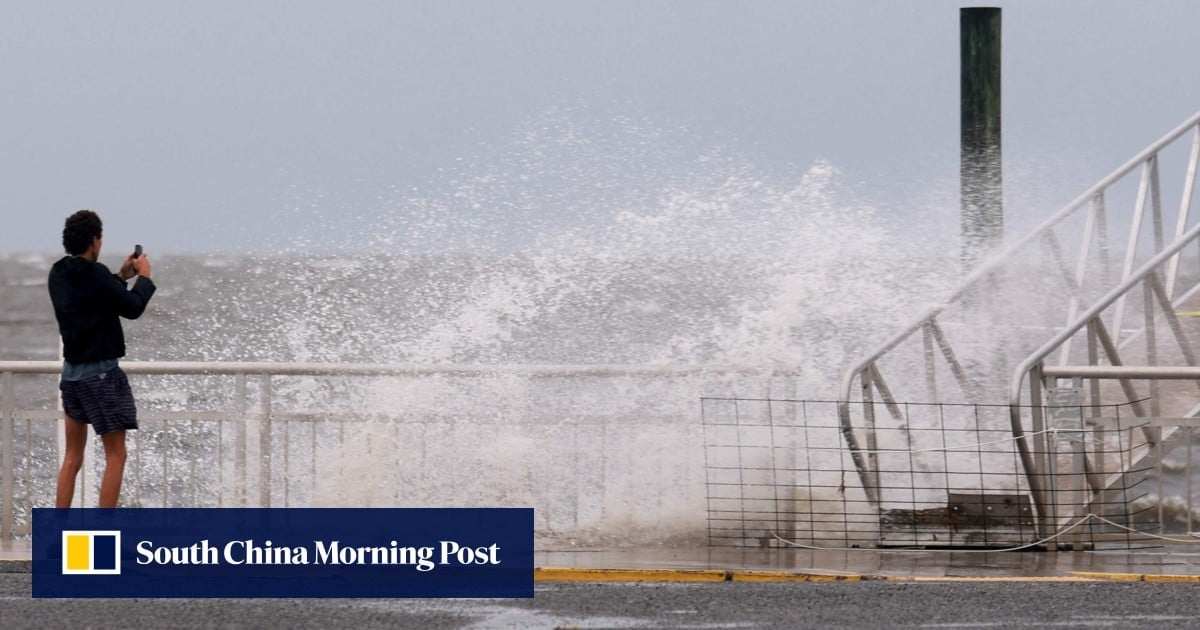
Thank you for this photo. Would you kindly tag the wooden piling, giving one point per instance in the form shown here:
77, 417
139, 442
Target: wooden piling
982, 201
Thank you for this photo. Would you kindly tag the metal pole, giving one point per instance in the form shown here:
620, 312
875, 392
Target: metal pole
1079, 503
872, 444
930, 372
1151, 345
6, 521
1185, 208
239, 442
1039, 472
264, 443
979, 100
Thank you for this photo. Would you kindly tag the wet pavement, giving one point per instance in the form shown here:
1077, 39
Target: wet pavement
1181, 562
660, 587
1168, 561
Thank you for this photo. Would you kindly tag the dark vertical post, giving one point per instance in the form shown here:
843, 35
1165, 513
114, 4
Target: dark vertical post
979, 170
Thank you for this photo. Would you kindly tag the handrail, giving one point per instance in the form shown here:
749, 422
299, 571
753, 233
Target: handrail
252, 428
863, 369
234, 368
1115, 372
1104, 302
993, 263
1034, 360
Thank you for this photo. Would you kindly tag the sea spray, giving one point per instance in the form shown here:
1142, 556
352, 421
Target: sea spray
704, 262
579, 246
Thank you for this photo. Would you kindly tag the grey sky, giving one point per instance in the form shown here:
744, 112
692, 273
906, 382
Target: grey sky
203, 126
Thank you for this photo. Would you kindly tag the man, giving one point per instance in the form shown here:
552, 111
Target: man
88, 301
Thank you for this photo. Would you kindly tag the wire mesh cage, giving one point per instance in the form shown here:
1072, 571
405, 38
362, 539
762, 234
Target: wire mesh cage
779, 473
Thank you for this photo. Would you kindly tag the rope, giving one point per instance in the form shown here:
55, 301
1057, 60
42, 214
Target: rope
934, 450
1080, 521
1194, 535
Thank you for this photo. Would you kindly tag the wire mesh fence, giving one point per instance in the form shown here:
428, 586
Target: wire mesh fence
779, 474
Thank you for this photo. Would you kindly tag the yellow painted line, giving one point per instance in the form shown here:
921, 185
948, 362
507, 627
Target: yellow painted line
993, 578
551, 574
784, 576
1188, 313
1137, 577
557, 574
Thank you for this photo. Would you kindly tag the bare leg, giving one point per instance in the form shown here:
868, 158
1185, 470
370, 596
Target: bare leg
72, 462
114, 468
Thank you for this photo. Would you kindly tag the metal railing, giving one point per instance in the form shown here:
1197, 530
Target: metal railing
1179, 363
1009, 304
777, 478
313, 433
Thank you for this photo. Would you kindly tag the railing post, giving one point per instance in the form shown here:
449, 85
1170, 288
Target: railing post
1156, 215
6, 494
869, 415
1188, 476
1079, 469
1185, 207
790, 466
1047, 515
1096, 478
930, 372
1151, 343
1065, 407
239, 441
1149, 167
864, 473
264, 443
1158, 448
1102, 239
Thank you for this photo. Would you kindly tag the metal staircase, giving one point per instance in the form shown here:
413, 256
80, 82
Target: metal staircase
1081, 333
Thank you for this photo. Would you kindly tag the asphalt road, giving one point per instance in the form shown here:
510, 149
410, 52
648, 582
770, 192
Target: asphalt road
714, 605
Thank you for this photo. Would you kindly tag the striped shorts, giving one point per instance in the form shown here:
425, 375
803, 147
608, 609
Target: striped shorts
104, 401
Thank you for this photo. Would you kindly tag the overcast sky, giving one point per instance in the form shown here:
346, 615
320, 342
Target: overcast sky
222, 126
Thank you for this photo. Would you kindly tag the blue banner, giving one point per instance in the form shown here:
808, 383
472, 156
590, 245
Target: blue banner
285, 552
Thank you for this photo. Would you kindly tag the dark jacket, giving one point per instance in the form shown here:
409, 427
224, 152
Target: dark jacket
88, 299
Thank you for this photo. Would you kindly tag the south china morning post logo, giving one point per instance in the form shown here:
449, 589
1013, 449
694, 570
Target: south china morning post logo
284, 552
250, 552
91, 552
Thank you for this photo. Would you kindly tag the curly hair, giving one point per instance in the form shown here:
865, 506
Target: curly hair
79, 230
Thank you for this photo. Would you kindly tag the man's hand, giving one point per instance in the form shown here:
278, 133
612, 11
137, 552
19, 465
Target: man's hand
127, 271
141, 265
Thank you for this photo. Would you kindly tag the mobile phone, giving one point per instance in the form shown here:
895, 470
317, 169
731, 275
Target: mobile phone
137, 251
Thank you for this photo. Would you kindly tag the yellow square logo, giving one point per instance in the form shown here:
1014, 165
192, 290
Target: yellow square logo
91, 552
